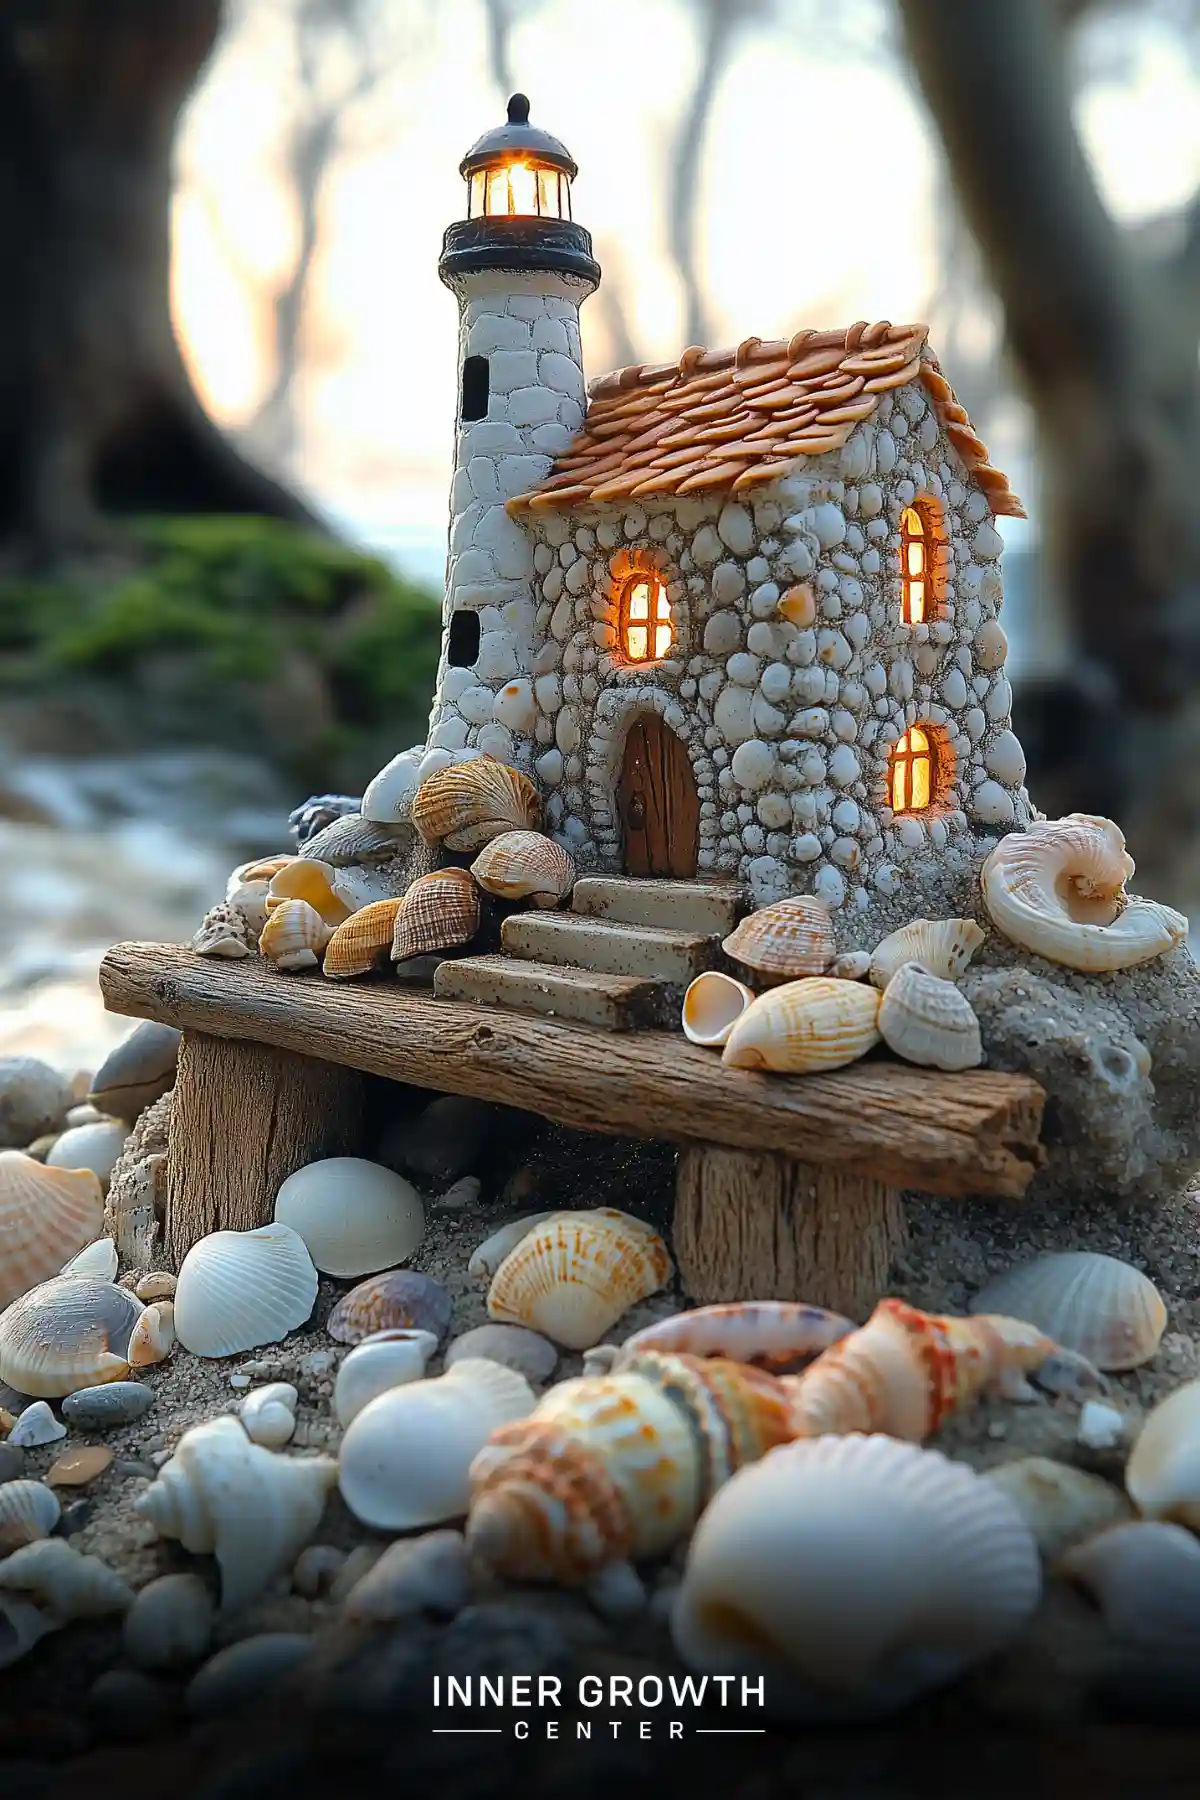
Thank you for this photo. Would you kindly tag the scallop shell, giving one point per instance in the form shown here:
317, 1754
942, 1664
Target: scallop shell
572, 1278
1145, 1577
98, 1259
1162, 1476
492, 1252
294, 935
46, 1216
712, 1006
307, 879
356, 1217
522, 865
251, 1508
153, 1336
389, 796
240, 1289
439, 912
225, 931
469, 803
400, 1299
780, 942
353, 839
927, 1021
1058, 889
818, 1023
1106, 1309
268, 1414
65, 1583
943, 946
364, 941
854, 1574
385, 1360
69, 1333
95, 1147
405, 1457
29, 1510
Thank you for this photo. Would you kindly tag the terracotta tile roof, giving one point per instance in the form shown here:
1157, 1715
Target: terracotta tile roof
732, 418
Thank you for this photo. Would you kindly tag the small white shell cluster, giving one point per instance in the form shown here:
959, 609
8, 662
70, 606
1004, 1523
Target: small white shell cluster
1105, 1309
240, 1289
355, 1217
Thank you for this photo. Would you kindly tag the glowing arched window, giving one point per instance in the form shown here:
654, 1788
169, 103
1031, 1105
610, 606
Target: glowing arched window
646, 631
914, 567
913, 771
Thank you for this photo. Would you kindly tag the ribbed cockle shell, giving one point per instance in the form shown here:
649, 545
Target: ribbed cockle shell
525, 865
468, 804
927, 1021
47, 1215
943, 946
1104, 1308
573, 1277
788, 939
363, 941
69, 1333
439, 912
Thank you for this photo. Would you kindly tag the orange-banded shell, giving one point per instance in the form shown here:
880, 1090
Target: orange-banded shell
363, 941
805, 1026
294, 936
788, 939
265, 869
310, 880
69, 1333
47, 1215
778, 1335
525, 865
439, 912
469, 803
573, 1277
617, 1467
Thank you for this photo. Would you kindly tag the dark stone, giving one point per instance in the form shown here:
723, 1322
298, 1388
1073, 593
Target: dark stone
74, 1517
501, 1638
239, 1675
12, 1463
1151, 1687
127, 1707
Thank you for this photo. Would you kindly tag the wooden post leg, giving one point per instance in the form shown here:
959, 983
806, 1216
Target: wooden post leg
245, 1117
762, 1227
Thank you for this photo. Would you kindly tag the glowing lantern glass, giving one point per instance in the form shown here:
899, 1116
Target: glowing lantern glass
518, 171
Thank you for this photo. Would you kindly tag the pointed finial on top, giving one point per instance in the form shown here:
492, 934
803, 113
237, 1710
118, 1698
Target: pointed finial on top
518, 109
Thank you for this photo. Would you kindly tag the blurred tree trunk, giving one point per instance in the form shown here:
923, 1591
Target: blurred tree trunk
1105, 344
97, 414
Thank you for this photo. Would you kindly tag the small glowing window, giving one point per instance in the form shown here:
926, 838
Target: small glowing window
646, 631
914, 567
914, 771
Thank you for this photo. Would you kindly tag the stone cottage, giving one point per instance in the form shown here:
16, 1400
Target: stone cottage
736, 615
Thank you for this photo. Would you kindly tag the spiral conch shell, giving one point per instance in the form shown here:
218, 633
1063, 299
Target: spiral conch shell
1058, 889
439, 912
928, 1021
520, 865
576, 1275
942, 946
788, 939
818, 1023
616, 1468
712, 1006
469, 803
47, 1215
253, 1509
294, 935
1104, 1308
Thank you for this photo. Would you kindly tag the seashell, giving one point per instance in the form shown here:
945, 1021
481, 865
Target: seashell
1061, 1505
72, 1332
170, 1624
138, 1072
37, 1425
405, 1457
46, 1216
252, 1509
249, 901
855, 965
942, 946
294, 936
389, 796
385, 1360
805, 1026
355, 1217
928, 1021
439, 912
572, 1278
153, 1336
1145, 1577
240, 1289
469, 803
158, 1284
904, 1372
399, 1299
75, 1468
781, 942
1162, 1476
268, 1414
492, 1252
778, 1335
854, 1574
353, 839
306, 879
617, 1468
225, 931
364, 941
262, 868
711, 1007
98, 1259
316, 812
94, 1147
530, 1354
521, 865
359, 886
429, 1574
67, 1584
103, 1408
1058, 889
29, 1510
1104, 1308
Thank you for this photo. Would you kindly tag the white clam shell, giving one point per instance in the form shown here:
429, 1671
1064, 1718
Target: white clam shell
385, 1360
251, 1508
240, 1289
67, 1584
29, 1510
1105, 1309
98, 1259
1162, 1476
268, 1414
405, 1458
854, 1573
1058, 889
45, 1217
68, 1333
1145, 1577
943, 946
1061, 1505
356, 1217
925, 1019
712, 1005
94, 1147
389, 796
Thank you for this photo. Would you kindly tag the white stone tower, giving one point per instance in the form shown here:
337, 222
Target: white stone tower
521, 269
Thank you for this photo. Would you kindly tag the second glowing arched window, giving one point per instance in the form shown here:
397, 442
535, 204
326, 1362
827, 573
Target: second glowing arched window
913, 771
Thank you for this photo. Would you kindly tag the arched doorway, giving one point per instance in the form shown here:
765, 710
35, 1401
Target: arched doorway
657, 802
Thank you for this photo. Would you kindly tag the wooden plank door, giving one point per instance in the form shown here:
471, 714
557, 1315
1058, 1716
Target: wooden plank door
657, 802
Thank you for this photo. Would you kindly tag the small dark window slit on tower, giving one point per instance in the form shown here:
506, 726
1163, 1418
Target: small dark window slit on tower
475, 387
462, 649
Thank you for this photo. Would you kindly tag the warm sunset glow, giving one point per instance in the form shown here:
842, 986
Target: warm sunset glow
646, 631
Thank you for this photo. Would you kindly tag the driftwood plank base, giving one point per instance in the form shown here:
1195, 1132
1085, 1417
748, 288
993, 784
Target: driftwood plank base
245, 1117
764, 1227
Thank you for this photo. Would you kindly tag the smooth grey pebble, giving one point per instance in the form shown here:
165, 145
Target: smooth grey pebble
170, 1624
102, 1408
515, 1347
414, 1575
242, 1673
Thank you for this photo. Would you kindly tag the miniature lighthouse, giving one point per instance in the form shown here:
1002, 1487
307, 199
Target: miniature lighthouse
520, 268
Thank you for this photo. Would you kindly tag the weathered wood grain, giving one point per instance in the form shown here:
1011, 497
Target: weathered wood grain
972, 1133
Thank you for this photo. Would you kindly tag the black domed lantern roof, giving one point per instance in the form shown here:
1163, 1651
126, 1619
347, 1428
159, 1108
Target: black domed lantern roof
518, 140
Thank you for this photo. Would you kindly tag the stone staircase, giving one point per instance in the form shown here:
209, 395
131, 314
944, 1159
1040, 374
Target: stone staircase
620, 959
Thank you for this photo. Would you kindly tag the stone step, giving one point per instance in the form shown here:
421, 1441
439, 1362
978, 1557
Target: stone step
609, 948
611, 1002
675, 905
